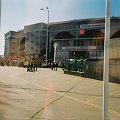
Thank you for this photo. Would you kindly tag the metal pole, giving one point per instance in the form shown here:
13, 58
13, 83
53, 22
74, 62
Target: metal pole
47, 36
19, 43
0, 13
106, 62
47, 9
55, 50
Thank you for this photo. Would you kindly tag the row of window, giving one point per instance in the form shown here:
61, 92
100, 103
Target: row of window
94, 42
28, 38
32, 33
92, 54
64, 43
83, 42
37, 44
32, 49
37, 38
86, 54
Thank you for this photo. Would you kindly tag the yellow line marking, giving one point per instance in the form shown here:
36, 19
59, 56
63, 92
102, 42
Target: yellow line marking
27, 94
88, 101
114, 92
92, 105
75, 99
101, 96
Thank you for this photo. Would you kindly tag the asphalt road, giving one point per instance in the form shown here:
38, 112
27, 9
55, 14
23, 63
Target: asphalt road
53, 95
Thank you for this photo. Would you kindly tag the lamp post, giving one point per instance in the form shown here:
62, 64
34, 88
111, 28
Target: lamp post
47, 9
24, 52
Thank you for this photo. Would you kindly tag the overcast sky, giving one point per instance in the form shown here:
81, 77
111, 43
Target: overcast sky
16, 14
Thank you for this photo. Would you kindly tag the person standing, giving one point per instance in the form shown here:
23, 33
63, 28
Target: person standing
28, 66
36, 65
56, 66
52, 65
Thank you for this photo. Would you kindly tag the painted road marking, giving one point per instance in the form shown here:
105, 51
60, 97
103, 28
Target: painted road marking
72, 98
101, 97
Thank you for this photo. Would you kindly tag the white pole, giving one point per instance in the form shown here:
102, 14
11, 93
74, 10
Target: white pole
47, 39
55, 50
0, 13
47, 36
19, 43
106, 62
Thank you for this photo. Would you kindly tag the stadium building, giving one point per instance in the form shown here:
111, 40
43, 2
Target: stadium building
67, 39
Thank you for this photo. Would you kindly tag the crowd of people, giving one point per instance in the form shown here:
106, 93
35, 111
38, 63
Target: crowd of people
54, 66
30, 63
32, 66
20, 61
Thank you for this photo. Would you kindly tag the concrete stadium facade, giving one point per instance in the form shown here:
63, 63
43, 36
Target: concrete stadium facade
66, 36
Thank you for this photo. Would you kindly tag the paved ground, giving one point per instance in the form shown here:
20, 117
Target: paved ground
52, 95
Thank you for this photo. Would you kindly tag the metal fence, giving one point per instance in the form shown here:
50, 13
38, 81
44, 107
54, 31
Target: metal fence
93, 68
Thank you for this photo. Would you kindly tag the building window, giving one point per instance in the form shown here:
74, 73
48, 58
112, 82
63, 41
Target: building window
31, 48
44, 37
44, 33
86, 42
37, 37
75, 42
37, 44
61, 43
94, 42
98, 42
81, 42
32, 35
67, 43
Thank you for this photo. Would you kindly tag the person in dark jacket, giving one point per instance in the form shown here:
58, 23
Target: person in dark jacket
28, 67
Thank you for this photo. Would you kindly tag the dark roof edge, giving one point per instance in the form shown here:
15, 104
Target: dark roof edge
86, 19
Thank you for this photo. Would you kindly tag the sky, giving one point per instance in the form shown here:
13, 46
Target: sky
15, 14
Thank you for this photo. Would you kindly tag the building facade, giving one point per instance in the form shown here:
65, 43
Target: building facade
11, 43
81, 38
35, 39
27, 42
67, 39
